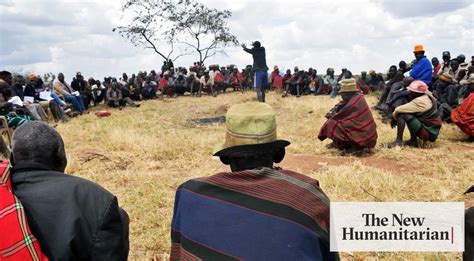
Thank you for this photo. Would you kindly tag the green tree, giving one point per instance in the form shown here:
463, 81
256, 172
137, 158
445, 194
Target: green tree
185, 25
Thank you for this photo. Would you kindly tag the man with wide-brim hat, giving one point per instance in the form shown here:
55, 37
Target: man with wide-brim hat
421, 115
256, 211
350, 124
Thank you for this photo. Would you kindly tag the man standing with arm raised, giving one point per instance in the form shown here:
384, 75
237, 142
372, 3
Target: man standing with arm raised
260, 68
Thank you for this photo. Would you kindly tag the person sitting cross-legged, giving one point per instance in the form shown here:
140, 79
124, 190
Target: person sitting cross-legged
257, 211
350, 124
115, 98
421, 115
72, 218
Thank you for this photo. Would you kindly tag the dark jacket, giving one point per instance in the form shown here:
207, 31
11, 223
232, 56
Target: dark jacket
17, 90
80, 86
73, 219
259, 60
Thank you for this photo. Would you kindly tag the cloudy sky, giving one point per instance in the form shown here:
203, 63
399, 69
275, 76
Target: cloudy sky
70, 35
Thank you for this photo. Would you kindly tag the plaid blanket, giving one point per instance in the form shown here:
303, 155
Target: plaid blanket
353, 122
463, 115
261, 214
16, 242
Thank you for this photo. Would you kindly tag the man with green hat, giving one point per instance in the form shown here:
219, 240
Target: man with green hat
257, 211
350, 124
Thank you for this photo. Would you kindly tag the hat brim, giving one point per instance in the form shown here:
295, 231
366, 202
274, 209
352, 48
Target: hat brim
414, 90
251, 149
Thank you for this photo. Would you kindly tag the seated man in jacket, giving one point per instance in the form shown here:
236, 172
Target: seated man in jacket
350, 123
14, 118
72, 218
297, 84
149, 89
257, 211
33, 109
115, 98
421, 115
63, 90
445, 91
463, 115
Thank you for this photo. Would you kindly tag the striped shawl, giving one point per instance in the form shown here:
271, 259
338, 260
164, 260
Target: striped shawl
261, 214
353, 122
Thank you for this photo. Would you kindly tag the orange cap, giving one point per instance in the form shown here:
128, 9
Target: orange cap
32, 77
419, 48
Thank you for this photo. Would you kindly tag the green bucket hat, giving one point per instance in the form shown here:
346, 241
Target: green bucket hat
348, 85
251, 128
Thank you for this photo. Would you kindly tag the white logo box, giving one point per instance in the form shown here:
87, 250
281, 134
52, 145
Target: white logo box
397, 226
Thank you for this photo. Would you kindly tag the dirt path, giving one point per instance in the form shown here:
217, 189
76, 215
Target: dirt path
307, 163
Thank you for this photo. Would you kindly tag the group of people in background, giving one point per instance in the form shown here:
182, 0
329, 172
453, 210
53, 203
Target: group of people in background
419, 96
230, 215
441, 95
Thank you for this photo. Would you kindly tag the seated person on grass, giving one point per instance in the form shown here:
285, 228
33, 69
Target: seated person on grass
149, 89
421, 115
34, 87
445, 91
63, 90
7, 109
257, 211
207, 84
33, 109
463, 115
115, 98
72, 218
350, 124
167, 86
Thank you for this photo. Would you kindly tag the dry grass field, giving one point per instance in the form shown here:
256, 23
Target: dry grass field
143, 154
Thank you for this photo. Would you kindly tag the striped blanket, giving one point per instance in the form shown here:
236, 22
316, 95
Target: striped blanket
262, 214
352, 122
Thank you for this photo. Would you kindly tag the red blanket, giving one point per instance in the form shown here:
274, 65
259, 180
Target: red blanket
352, 123
16, 240
463, 115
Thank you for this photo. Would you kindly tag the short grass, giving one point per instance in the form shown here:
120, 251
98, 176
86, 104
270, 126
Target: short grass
143, 154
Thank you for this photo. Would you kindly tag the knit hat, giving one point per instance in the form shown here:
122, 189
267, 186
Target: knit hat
418, 87
418, 48
251, 128
446, 77
348, 85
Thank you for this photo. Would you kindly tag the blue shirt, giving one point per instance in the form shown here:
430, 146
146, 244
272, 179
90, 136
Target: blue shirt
422, 70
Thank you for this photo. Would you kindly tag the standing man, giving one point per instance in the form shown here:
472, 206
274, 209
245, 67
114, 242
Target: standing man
260, 68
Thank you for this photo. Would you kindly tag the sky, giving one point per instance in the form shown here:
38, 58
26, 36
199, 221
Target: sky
68, 36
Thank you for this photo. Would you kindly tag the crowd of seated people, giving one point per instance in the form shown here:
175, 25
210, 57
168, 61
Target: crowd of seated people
419, 96
22, 98
424, 94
